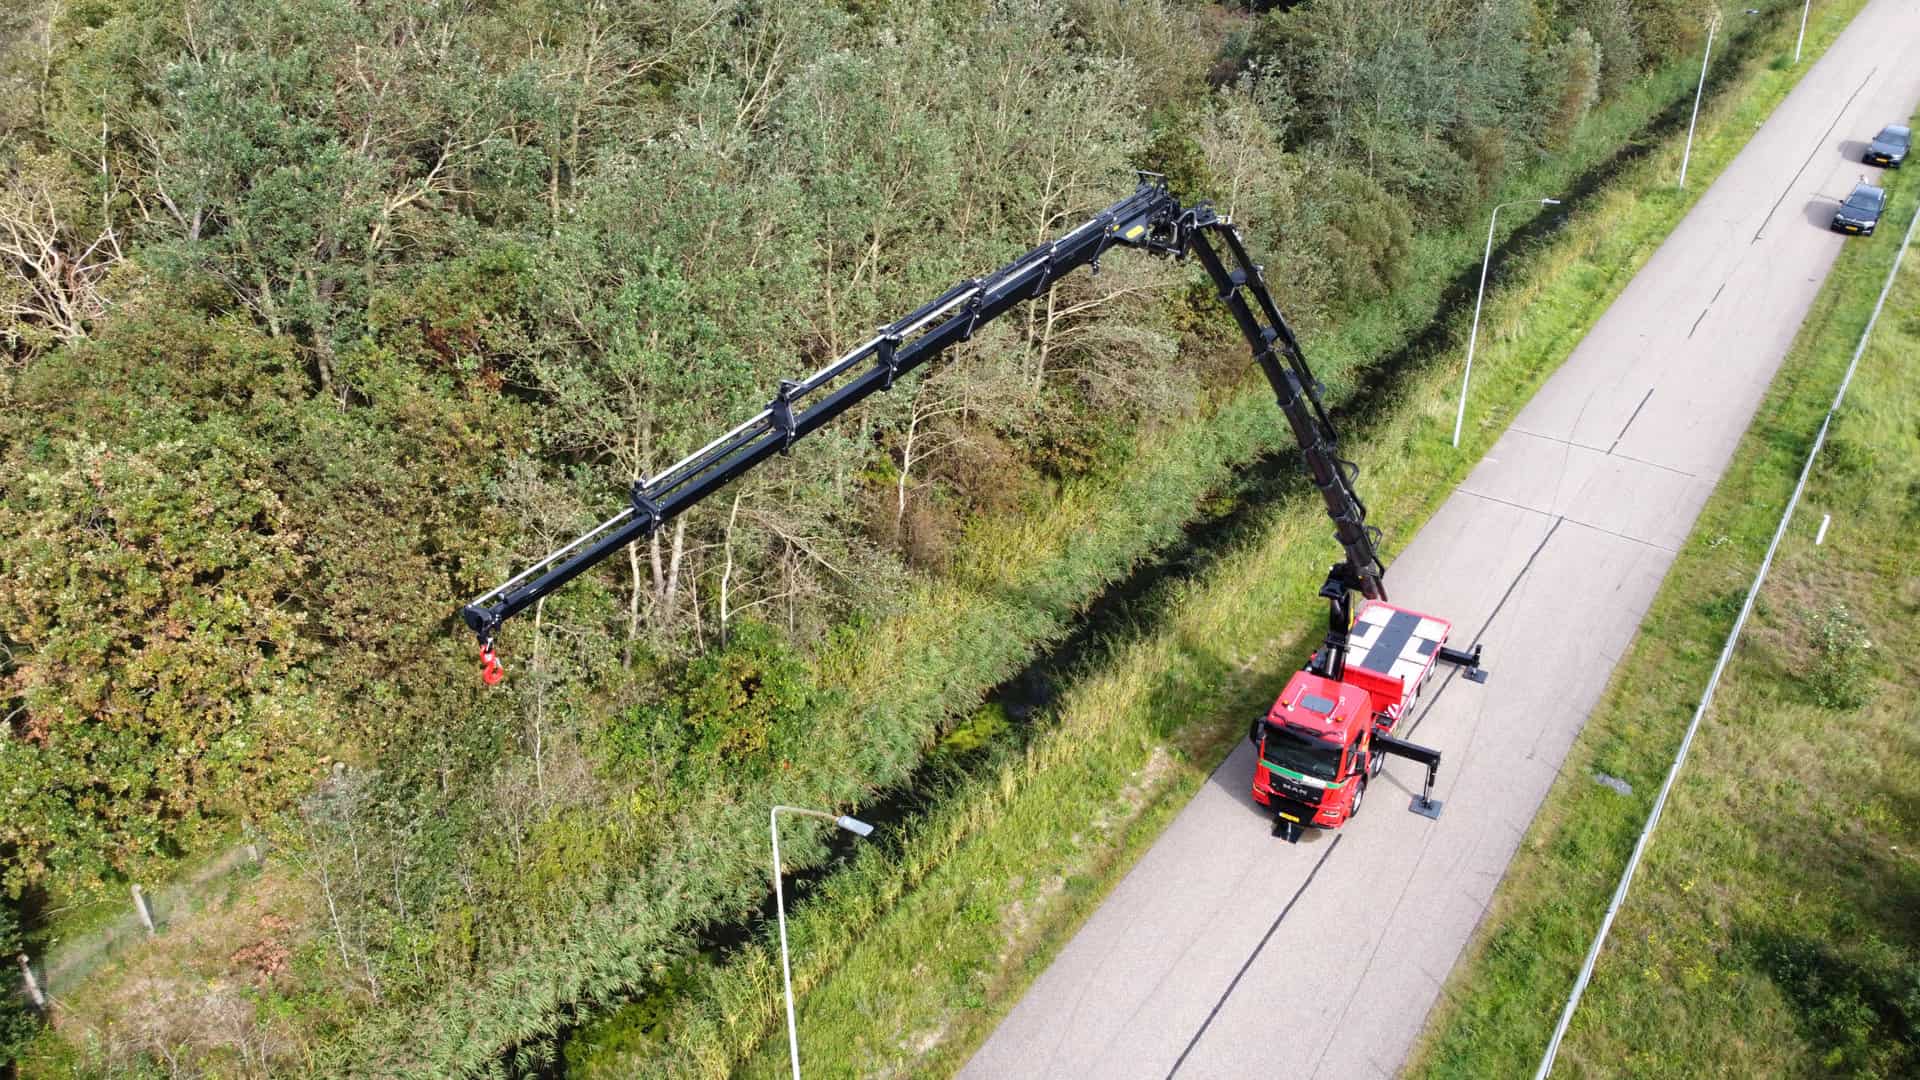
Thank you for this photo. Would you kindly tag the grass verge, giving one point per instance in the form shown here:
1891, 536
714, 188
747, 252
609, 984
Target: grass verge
908, 958
1774, 926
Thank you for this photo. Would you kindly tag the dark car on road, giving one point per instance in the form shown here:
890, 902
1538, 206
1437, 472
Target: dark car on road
1861, 211
1890, 147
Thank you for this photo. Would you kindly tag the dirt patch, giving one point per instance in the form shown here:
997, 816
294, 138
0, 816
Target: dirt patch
268, 957
1019, 916
1133, 798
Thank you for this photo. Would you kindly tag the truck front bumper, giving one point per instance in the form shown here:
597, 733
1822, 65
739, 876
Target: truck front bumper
1298, 813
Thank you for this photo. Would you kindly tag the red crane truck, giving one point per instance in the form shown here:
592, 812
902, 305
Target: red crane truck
1330, 731
1331, 728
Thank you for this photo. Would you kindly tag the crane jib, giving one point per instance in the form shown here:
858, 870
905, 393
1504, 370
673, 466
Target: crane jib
1150, 219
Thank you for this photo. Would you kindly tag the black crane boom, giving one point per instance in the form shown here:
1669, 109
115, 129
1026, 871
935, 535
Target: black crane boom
1151, 219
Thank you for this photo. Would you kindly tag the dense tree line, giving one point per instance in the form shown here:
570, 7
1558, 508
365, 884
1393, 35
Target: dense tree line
323, 315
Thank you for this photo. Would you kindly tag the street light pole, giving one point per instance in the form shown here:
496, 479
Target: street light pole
1712, 25
1473, 338
1803, 30
852, 825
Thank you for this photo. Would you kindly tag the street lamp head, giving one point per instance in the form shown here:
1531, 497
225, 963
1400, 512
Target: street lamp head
1549, 202
854, 825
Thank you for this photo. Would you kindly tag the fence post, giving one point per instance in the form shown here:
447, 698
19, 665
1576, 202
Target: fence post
146, 913
32, 984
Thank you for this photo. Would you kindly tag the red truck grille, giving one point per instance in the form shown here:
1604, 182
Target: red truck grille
1292, 790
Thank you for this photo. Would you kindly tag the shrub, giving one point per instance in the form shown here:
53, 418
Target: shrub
737, 707
1611, 25
1370, 236
161, 669
1574, 85
1177, 155
1842, 676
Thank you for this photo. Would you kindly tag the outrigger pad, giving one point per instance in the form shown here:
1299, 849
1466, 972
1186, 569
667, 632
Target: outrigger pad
1467, 660
1425, 807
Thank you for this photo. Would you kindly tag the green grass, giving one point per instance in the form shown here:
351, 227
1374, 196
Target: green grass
1774, 926
906, 960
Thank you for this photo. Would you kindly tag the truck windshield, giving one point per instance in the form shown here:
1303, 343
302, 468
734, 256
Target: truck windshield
1299, 753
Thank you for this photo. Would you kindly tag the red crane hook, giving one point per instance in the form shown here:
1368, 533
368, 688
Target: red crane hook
490, 670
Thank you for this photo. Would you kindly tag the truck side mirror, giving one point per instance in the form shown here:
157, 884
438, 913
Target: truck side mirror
1253, 732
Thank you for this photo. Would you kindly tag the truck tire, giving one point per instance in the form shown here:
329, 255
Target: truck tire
1359, 793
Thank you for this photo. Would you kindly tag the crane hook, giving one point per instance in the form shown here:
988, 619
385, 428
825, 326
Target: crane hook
490, 670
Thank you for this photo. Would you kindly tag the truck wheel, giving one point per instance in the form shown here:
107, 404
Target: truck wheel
1375, 762
1358, 794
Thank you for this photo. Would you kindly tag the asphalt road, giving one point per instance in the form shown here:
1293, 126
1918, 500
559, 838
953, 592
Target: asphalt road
1228, 953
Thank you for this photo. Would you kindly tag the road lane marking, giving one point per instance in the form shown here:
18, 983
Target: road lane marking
1583, 524
1644, 400
1251, 957
1597, 450
1696, 326
1821, 142
1511, 585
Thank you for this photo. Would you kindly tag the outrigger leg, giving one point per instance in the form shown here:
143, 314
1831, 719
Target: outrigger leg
1424, 803
1469, 660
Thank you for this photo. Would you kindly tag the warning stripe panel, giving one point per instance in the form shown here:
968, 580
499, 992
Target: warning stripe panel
1394, 643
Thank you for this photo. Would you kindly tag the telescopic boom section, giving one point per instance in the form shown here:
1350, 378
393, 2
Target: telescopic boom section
1296, 391
1150, 219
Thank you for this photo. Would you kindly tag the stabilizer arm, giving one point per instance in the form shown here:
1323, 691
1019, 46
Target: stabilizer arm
1424, 803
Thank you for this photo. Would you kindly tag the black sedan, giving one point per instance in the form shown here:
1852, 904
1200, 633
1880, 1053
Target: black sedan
1861, 212
1890, 147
